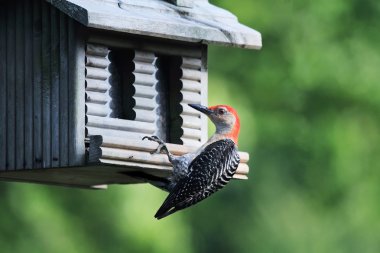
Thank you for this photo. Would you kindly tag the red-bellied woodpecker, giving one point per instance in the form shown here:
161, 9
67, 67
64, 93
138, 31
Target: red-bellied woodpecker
198, 175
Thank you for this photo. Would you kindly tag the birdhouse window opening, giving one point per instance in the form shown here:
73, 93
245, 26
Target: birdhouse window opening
133, 93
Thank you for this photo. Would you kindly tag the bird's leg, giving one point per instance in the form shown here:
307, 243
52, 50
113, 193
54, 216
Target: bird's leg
162, 148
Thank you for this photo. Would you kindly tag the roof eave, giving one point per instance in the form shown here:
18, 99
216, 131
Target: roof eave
182, 27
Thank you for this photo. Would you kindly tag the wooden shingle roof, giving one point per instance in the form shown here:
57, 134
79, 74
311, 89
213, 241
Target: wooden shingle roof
200, 22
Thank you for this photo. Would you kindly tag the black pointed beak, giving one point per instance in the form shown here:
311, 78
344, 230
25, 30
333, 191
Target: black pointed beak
202, 109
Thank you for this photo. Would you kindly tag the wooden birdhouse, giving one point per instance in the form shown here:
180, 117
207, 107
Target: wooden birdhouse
82, 81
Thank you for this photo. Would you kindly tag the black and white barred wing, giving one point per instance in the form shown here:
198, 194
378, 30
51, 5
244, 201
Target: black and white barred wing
208, 172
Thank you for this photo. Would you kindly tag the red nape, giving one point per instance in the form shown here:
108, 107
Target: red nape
234, 134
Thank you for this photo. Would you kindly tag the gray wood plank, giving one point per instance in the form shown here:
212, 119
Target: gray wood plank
204, 23
76, 53
19, 92
55, 71
204, 93
46, 85
28, 75
3, 85
37, 82
146, 44
11, 81
63, 92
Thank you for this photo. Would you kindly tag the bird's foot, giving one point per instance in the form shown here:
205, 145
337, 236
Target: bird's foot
162, 148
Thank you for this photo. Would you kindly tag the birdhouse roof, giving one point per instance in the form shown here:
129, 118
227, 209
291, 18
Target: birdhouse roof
187, 20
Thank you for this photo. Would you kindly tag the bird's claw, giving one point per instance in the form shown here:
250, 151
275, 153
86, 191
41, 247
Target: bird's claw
158, 149
161, 145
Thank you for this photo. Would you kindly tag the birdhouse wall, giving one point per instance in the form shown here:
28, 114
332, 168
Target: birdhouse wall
40, 101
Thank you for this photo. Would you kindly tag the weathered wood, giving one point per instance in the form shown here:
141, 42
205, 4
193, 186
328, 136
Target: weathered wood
96, 49
190, 142
46, 85
97, 61
158, 170
193, 134
97, 73
76, 54
204, 92
28, 84
145, 116
97, 109
190, 85
114, 155
183, 3
19, 96
144, 92
204, 23
96, 85
144, 79
81, 177
145, 103
191, 93
97, 97
191, 97
144, 67
3, 85
187, 110
149, 146
144, 87
55, 71
134, 156
120, 124
63, 91
94, 150
146, 45
144, 56
104, 132
11, 87
191, 63
147, 157
191, 74
37, 82
192, 122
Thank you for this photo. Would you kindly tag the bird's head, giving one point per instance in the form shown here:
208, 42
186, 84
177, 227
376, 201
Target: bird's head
225, 119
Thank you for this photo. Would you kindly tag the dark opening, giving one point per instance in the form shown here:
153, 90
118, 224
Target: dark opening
121, 81
169, 87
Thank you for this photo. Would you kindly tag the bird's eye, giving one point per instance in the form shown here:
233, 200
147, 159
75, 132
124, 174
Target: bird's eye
222, 111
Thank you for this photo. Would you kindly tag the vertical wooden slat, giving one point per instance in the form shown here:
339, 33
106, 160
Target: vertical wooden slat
11, 67
63, 92
46, 86
3, 85
145, 68
28, 84
162, 97
76, 53
204, 93
19, 88
55, 71
37, 80
98, 70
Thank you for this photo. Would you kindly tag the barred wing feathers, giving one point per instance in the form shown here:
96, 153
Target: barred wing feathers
208, 172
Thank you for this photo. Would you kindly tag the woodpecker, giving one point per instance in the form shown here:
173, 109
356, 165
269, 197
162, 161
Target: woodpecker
198, 175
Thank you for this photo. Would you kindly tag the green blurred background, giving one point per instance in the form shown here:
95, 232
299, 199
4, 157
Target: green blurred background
310, 109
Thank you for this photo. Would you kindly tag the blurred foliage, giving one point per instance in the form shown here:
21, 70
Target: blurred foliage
310, 109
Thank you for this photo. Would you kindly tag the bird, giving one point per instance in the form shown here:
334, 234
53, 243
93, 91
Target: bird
199, 174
